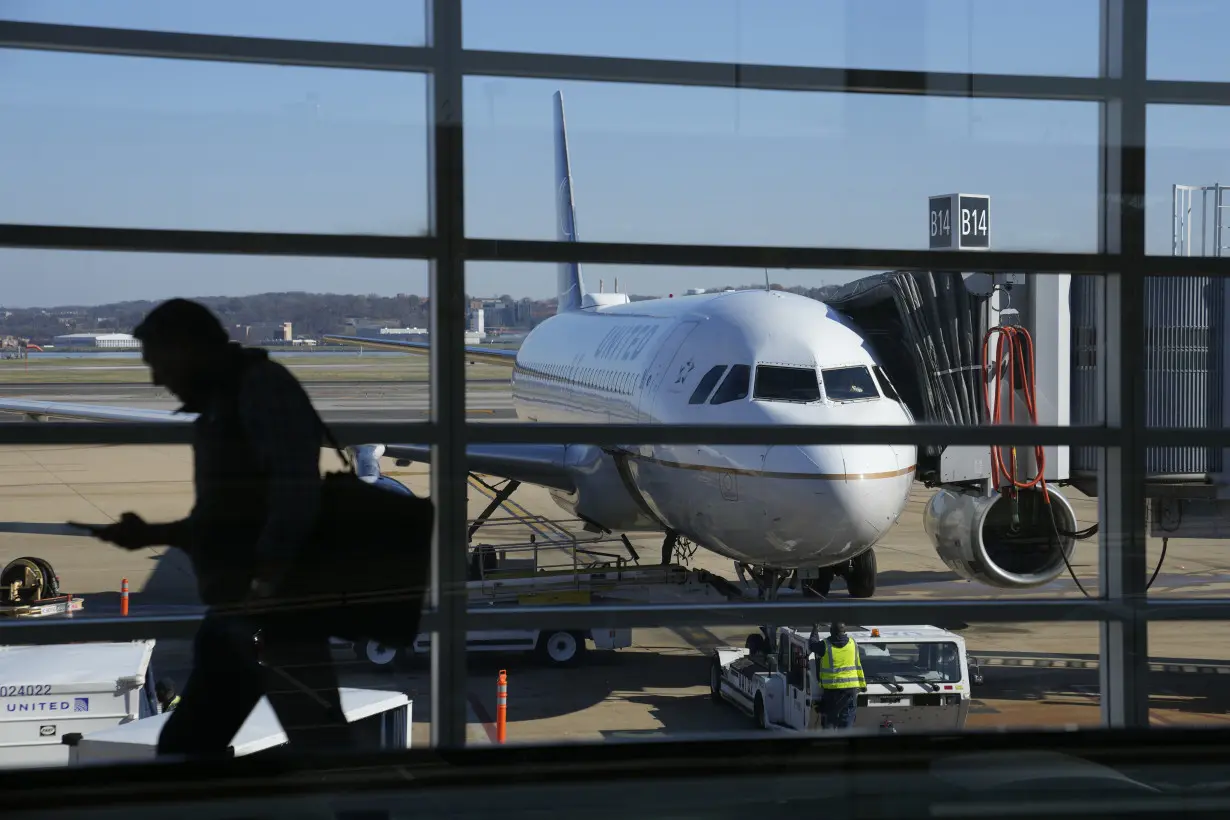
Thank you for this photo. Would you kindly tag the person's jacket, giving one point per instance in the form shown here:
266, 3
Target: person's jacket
256, 454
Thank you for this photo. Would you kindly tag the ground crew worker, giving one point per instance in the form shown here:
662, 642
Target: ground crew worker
164, 691
841, 676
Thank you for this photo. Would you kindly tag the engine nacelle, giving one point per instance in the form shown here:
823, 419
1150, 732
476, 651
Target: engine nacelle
602, 495
977, 538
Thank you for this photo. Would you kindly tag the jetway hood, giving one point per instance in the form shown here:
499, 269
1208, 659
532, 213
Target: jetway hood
927, 328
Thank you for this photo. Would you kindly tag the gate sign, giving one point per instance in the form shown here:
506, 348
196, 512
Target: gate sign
959, 222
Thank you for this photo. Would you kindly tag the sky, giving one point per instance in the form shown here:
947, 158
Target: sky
133, 142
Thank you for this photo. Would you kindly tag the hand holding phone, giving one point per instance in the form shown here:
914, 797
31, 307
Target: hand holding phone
130, 532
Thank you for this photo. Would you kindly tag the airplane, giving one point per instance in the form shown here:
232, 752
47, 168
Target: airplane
732, 357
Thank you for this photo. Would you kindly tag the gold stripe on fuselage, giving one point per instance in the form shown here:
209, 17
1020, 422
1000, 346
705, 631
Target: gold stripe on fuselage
706, 468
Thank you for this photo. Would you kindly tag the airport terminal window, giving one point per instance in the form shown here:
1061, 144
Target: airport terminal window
734, 386
786, 383
705, 386
849, 384
886, 385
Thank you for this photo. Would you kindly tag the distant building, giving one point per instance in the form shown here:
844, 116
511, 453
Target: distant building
111, 341
262, 332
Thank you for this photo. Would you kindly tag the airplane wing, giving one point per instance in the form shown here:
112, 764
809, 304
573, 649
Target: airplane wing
91, 412
474, 353
541, 464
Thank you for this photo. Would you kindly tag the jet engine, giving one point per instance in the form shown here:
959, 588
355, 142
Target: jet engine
999, 540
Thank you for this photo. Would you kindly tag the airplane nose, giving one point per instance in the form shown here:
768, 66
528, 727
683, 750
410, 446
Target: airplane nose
835, 505
875, 488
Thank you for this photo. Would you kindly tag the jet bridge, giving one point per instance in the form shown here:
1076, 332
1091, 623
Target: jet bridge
967, 348
928, 327
932, 331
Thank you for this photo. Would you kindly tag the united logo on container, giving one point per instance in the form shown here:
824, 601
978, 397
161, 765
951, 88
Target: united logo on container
81, 704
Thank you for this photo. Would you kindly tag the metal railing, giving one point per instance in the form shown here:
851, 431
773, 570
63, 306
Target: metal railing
1123, 92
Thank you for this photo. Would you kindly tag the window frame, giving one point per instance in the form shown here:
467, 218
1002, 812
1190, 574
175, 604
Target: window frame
1123, 92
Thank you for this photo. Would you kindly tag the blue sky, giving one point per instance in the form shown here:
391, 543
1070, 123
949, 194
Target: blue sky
90, 140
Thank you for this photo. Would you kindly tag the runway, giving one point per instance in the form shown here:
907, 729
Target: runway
1036, 674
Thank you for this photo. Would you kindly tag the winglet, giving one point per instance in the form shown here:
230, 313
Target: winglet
569, 283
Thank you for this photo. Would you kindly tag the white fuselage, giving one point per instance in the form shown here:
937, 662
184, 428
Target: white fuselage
779, 506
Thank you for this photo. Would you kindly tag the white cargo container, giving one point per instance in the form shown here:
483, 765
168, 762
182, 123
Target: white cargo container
47, 692
381, 718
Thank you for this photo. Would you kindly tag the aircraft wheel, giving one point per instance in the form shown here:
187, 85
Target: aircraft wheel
820, 585
715, 681
561, 648
377, 654
762, 720
861, 578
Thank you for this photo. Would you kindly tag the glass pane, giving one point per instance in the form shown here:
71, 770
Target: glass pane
1187, 662
1185, 41
909, 35
848, 384
1184, 163
142, 143
786, 383
355, 21
716, 166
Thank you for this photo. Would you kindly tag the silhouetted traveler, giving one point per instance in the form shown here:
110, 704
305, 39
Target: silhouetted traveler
256, 453
841, 676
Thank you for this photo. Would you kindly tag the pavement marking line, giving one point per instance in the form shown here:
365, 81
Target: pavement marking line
484, 717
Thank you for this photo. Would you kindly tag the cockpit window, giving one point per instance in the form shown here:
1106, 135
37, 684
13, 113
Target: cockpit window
775, 383
734, 386
849, 384
705, 386
890, 392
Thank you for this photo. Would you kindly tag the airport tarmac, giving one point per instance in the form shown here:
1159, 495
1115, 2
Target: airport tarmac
1035, 674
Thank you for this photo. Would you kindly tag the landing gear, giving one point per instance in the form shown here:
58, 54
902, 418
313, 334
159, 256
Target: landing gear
859, 573
861, 577
676, 548
822, 583
668, 547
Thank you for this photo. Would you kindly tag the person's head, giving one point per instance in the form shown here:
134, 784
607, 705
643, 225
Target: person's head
164, 690
837, 629
180, 340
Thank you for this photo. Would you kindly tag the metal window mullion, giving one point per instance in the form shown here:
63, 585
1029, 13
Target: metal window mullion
448, 473
820, 258
635, 616
1124, 667
244, 243
743, 76
59, 432
227, 48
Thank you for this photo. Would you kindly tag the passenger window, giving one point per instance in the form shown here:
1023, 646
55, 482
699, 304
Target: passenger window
786, 384
849, 384
705, 386
886, 386
734, 386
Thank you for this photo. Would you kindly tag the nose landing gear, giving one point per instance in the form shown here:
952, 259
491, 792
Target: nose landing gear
859, 573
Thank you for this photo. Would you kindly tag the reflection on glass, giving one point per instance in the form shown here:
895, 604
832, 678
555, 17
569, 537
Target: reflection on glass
908, 35
360, 21
119, 142
677, 164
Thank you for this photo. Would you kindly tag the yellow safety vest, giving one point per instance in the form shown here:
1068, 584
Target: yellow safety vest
841, 667
174, 702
